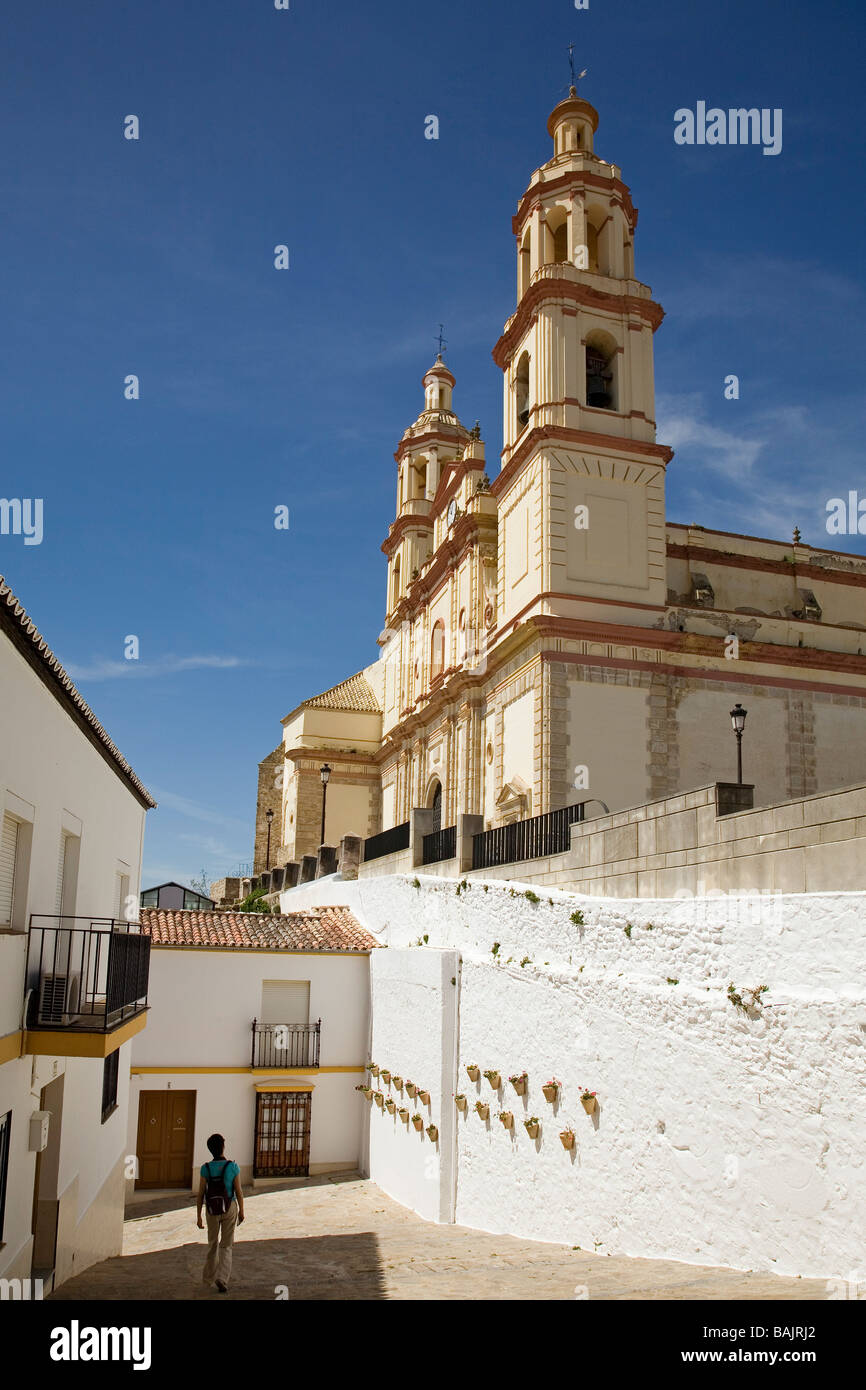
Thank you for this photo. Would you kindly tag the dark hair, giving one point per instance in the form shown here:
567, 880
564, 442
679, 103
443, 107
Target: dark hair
216, 1144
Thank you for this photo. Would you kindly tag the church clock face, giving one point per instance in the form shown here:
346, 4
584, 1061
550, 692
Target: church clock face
452, 511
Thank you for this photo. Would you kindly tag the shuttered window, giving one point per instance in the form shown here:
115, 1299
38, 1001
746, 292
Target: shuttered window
285, 1001
61, 871
8, 856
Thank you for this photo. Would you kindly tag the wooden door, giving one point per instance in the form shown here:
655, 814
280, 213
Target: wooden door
166, 1131
282, 1138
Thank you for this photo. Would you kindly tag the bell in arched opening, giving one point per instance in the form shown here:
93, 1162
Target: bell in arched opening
598, 380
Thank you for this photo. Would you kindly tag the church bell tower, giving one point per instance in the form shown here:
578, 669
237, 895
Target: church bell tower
581, 489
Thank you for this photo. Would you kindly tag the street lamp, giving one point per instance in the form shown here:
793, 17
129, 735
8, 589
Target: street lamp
324, 773
738, 719
269, 816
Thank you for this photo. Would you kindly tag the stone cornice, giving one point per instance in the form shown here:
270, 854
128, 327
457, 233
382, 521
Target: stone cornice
584, 295
738, 560
587, 439
537, 191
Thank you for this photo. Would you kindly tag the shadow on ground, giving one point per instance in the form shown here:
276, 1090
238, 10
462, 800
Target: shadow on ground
311, 1267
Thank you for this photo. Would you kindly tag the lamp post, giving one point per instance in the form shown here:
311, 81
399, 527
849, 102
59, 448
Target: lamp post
738, 719
324, 773
269, 816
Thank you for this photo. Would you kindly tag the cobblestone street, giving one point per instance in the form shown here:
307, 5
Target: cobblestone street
329, 1238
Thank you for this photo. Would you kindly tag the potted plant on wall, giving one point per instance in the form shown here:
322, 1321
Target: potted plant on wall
483, 1110
432, 1133
473, 1072
411, 1088
532, 1126
588, 1101
418, 1121
460, 1101
567, 1138
424, 1097
551, 1090
379, 1098
367, 1090
374, 1070
519, 1081
404, 1114
390, 1105
494, 1078
397, 1083
507, 1119
386, 1077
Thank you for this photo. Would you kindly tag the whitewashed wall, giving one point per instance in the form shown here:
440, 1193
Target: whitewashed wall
721, 1138
414, 1002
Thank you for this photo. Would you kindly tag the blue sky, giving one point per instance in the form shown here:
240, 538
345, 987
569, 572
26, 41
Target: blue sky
261, 388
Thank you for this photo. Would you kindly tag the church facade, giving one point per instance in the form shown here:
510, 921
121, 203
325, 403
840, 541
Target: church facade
550, 636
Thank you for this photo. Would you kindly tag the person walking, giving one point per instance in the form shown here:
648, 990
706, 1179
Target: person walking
221, 1193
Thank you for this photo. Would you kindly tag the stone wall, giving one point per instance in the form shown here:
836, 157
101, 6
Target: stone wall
269, 796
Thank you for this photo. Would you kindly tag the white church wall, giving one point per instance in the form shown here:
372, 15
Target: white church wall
721, 1137
616, 765
518, 741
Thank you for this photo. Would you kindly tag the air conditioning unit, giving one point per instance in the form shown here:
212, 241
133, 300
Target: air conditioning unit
59, 999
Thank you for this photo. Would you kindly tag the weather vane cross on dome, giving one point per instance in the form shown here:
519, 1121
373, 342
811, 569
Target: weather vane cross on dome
574, 80
441, 341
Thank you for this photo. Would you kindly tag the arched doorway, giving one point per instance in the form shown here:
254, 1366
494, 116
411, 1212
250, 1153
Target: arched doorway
436, 807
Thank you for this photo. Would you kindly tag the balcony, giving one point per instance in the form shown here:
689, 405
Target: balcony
84, 976
282, 1046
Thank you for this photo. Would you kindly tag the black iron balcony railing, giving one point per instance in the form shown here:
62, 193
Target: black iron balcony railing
279, 1045
87, 974
441, 844
526, 839
387, 842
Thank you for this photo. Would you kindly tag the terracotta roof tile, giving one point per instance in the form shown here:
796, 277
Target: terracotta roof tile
356, 694
310, 929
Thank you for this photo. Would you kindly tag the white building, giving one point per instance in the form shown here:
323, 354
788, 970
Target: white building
73, 971
259, 1030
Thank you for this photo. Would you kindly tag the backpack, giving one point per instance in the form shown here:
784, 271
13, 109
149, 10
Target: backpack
217, 1200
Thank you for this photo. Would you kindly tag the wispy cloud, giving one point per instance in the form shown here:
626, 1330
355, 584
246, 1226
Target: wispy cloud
161, 666
194, 810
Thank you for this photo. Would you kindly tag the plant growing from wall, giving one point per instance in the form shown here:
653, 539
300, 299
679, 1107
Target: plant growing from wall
749, 1000
527, 960
494, 1078
494, 949
531, 897
672, 981
628, 930
472, 1071
577, 918
519, 1081
463, 886
551, 1090
255, 902
532, 1126
416, 883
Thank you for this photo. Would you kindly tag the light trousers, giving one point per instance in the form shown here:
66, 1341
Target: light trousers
220, 1238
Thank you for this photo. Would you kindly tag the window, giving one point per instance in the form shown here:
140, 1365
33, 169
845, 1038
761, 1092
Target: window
150, 898
601, 362
5, 1130
437, 649
110, 1068
521, 385
560, 243
8, 859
